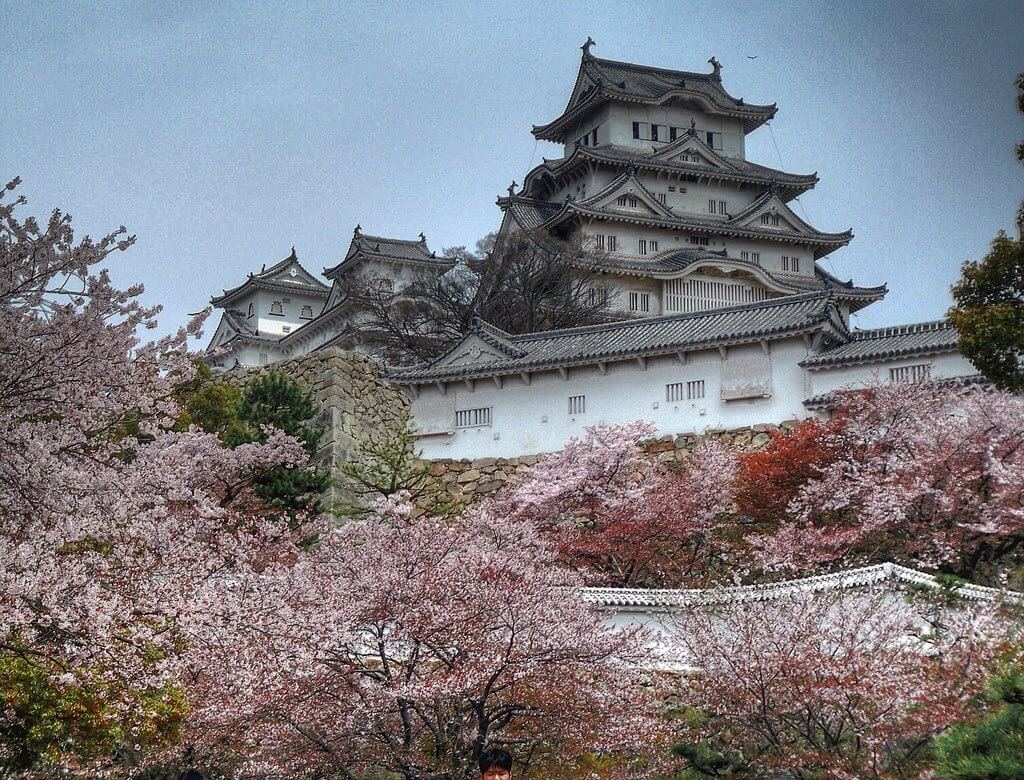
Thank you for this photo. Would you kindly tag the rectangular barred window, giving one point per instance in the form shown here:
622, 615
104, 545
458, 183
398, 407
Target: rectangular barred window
765, 219
915, 373
276, 308
721, 208
627, 200
785, 263
661, 197
675, 391
671, 189
755, 256
652, 245
636, 129
473, 418
600, 242
694, 389
264, 358
577, 404
597, 295
593, 137
699, 240
654, 132
639, 301
794, 263
642, 246
612, 243
744, 255
307, 312
712, 207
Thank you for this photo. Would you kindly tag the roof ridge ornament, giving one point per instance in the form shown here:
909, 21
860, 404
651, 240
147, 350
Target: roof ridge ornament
512, 189
358, 230
586, 47
423, 238
293, 255
716, 68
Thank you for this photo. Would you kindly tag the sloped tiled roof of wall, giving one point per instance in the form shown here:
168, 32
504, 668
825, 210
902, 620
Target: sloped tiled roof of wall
866, 346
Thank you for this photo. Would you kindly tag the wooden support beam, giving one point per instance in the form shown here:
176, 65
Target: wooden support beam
525, 376
642, 362
564, 372
414, 391
443, 387
764, 346
723, 352
682, 357
602, 367
497, 381
470, 384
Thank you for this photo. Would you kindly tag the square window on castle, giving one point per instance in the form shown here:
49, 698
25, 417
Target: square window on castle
577, 404
699, 240
694, 389
712, 207
755, 257
276, 308
641, 246
640, 302
794, 263
661, 196
714, 140
636, 129
785, 263
628, 201
676, 391
473, 418
612, 243
652, 246
671, 189
744, 255
722, 208
307, 312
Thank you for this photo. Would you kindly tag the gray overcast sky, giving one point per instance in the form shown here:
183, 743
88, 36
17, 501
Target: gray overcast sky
224, 133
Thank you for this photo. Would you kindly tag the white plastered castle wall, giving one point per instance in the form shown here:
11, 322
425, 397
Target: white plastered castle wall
945, 365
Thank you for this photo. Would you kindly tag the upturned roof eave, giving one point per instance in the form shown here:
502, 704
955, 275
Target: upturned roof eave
265, 284
833, 240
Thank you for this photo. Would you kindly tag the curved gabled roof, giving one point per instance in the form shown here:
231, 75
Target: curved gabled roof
287, 276
789, 185
900, 341
540, 214
650, 336
599, 81
400, 250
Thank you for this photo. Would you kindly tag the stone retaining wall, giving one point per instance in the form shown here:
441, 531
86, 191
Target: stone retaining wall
471, 480
358, 406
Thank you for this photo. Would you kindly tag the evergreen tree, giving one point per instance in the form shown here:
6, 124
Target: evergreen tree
992, 747
276, 400
989, 310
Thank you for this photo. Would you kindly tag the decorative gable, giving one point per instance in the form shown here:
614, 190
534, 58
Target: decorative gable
473, 350
770, 213
293, 274
692, 150
628, 194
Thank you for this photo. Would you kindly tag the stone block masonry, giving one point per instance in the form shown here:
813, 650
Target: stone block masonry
471, 480
358, 406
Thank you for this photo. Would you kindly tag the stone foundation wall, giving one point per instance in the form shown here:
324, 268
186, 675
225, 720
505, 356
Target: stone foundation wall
358, 406
472, 480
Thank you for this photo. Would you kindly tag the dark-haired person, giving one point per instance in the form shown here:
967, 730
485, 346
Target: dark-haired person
495, 765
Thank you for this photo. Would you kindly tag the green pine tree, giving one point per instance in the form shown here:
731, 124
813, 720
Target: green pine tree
991, 748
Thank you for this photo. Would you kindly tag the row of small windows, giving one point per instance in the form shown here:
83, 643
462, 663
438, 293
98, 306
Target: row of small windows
588, 139
607, 242
754, 257
640, 301
915, 373
277, 309
790, 263
684, 391
718, 207
771, 220
647, 131
646, 245
482, 416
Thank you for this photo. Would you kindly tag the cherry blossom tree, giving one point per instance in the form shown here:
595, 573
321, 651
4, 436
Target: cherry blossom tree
928, 472
609, 511
413, 645
111, 523
844, 684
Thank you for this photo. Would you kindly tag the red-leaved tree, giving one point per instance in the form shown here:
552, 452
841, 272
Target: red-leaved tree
609, 511
925, 472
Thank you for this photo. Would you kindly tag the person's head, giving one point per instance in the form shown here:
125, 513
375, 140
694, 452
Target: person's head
496, 765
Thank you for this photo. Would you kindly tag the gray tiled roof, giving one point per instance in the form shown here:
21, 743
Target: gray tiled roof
789, 184
381, 247
830, 400
307, 285
676, 260
611, 80
644, 337
866, 346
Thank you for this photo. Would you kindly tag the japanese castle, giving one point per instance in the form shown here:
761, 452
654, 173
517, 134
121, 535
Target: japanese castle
727, 318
